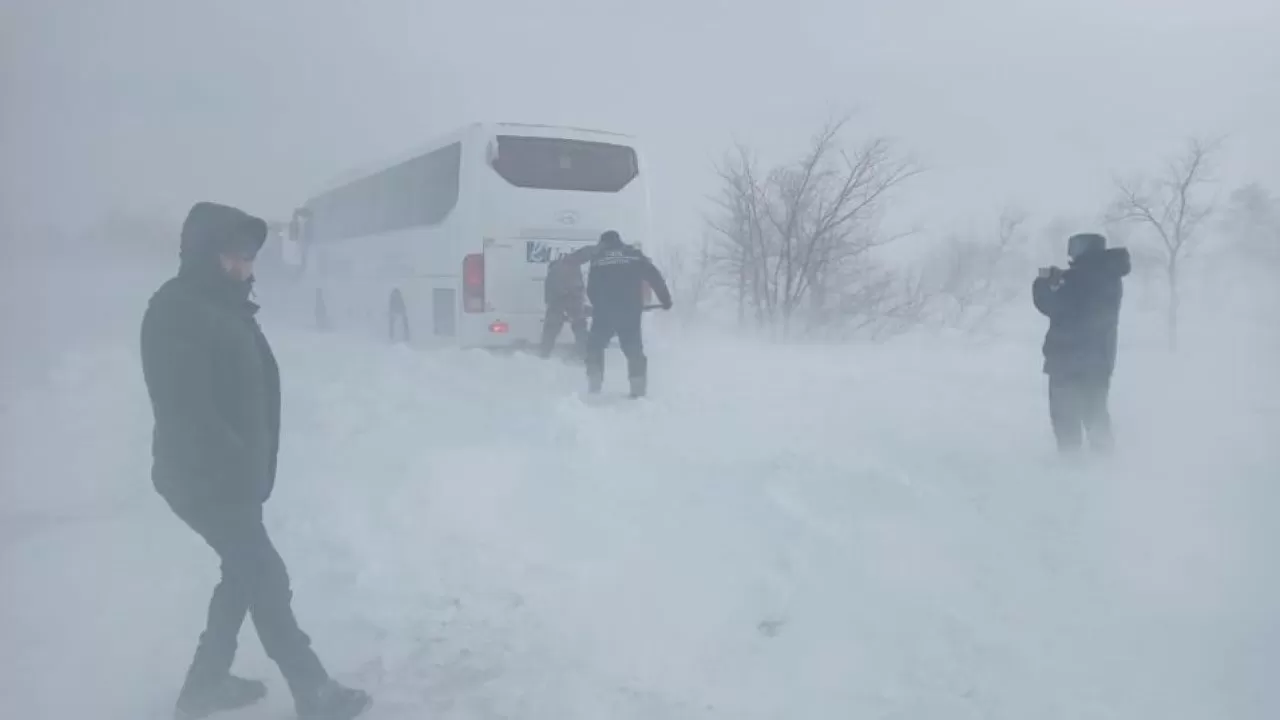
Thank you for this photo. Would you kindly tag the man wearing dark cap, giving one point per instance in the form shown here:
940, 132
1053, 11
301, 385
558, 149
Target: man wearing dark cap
215, 393
1083, 307
615, 287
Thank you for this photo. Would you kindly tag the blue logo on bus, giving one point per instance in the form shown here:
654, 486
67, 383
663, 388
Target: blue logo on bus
536, 251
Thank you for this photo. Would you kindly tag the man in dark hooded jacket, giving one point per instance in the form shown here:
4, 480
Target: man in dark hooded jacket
214, 387
563, 292
615, 287
1083, 307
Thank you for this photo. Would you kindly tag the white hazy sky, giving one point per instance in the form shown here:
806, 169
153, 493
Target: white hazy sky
154, 104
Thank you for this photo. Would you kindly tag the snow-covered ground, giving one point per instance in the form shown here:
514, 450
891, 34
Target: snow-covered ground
806, 532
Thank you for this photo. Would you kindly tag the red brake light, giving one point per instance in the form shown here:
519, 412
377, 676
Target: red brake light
499, 327
473, 283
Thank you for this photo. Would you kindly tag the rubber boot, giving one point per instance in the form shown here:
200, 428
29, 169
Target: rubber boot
639, 386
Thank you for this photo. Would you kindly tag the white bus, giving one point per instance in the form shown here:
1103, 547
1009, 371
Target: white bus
449, 245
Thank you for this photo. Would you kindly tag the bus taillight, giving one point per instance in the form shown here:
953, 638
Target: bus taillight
473, 283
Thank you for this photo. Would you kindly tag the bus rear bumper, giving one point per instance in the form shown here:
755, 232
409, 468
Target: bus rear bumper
498, 331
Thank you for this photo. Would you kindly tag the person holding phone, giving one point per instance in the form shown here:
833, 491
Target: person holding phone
1082, 303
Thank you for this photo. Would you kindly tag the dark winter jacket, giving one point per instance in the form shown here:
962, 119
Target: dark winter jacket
211, 376
1083, 308
564, 277
615, 282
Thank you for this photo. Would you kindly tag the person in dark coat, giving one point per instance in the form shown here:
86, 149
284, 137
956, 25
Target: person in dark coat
563, 292
214, 387
1083, 307
615, 287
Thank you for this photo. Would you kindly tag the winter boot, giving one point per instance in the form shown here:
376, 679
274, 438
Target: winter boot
332, 701
595, 382
229, 693
639, 386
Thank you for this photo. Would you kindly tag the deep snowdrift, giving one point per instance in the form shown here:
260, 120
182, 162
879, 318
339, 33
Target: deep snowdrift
877, 532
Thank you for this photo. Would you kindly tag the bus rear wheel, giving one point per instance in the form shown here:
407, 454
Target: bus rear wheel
397, 316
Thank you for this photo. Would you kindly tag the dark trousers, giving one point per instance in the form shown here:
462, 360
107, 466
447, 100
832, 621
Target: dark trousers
558, 311
1078, 406
627, 329
254, 582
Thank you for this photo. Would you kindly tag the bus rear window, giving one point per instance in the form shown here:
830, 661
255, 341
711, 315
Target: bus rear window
560, 164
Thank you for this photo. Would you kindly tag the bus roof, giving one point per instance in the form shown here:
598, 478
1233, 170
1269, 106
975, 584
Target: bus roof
451, 137
586, 131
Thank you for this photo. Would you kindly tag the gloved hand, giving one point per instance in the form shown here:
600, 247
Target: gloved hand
666, 305
1054, 276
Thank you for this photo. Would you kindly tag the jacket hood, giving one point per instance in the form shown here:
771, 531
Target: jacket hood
1113, 261
1117, 261
211, 229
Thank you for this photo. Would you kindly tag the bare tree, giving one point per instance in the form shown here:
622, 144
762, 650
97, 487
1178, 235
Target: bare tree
690, 272
793, 239
884, 303
1171, 205
973, 278
739, 225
